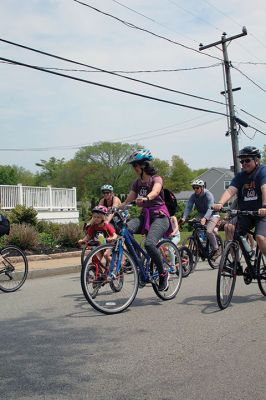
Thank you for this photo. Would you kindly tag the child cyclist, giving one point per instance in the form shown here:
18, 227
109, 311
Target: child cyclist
98, 228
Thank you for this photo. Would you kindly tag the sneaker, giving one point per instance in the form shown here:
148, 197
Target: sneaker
163, 281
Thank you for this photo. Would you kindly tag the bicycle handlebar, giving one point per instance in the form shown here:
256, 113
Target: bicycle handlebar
239, 212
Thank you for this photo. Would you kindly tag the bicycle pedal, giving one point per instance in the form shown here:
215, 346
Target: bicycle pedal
247, 277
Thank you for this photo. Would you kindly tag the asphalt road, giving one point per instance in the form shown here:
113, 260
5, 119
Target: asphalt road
55, 346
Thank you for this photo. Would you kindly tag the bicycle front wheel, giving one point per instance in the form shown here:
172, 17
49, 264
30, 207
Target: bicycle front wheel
191, 243
84, 253
226, 277
13, 268
261, 273
109, 291
173, 264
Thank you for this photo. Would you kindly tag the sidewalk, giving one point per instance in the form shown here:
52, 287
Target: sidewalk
53, 264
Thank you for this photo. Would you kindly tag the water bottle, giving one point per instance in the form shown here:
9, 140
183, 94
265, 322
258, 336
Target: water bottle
247, 247
202, 236
101, 238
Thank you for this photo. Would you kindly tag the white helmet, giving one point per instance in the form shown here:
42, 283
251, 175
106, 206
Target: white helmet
108, 188
198, 182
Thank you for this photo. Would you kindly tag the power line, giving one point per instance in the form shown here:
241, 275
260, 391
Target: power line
261, 120
108, 72
251, 80
131, 72
130, 25
112, 87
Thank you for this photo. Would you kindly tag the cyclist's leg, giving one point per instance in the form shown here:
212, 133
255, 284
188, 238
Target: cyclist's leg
135, 224
175, 239
260, 234
210, 231
158, 228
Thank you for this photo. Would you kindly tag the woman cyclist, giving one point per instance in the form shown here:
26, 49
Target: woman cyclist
154, 221
109, 199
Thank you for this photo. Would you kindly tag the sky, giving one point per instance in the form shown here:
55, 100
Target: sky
44, 115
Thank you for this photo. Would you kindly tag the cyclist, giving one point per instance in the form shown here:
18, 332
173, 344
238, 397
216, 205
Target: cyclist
98, 227
154, 221
250, 187
203, 201
109, 199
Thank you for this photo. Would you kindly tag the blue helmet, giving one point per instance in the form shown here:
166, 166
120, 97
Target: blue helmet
140, 155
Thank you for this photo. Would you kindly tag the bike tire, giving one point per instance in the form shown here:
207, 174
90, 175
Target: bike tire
186, 259
115, 295
169, 251
261, 273
13, 268
226, 277
192, 244
215, 263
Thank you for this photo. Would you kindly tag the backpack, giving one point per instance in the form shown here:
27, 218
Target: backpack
170, 201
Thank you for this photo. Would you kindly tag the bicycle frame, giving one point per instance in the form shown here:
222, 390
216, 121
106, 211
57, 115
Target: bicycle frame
140, 257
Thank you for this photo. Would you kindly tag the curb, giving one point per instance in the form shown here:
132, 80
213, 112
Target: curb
45, 272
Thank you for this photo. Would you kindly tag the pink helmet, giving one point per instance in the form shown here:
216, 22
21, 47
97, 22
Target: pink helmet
100, 210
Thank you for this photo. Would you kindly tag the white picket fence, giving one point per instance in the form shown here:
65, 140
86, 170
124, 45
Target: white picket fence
53, 204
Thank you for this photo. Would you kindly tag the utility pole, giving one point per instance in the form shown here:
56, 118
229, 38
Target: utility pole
229, 92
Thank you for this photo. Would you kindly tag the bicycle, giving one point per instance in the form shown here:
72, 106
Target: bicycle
13, 268
113, 273
231, 266
200, 247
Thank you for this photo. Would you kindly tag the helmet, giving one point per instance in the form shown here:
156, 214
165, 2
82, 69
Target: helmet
140, 155
250, 151
107, 188
100, 210
198, 182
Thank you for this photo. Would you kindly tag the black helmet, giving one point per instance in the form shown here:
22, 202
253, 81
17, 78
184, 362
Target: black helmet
250, 151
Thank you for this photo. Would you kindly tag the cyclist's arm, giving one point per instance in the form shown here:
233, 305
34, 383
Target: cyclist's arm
262, 211
210, 202
188, 208
226, 196
130, 197
175, 225
116, 204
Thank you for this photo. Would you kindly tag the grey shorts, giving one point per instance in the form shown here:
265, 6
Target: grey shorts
246, 223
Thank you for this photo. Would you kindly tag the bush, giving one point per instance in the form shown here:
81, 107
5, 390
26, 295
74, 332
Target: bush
69, 234
23, 235
23, 215
48, 227
47, 240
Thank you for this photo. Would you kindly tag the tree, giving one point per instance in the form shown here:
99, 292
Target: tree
50, 170
180, 176
12, 175
107, 163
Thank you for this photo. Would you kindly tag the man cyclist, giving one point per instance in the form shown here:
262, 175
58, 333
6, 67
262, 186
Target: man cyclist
250, 187
109, 200
203, 201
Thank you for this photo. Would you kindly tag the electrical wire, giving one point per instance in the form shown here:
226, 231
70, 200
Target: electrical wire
130, 25
108, 72
111, 87
251, 80
261, 120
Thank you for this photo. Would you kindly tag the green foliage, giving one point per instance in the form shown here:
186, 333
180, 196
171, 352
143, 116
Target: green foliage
47, 239
23, 235
48, 227
69, 234
134, 211
180, 176
49, 171
21, 214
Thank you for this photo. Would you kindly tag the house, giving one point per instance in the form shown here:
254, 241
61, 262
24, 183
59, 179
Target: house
216, 181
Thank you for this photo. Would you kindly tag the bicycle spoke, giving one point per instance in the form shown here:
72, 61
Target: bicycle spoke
13, 268
226, 276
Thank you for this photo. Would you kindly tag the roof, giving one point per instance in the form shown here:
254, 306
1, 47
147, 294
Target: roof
184, 195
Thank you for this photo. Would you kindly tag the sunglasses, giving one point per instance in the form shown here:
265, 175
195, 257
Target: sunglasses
246, 160
196, 187
134, 165
106, 192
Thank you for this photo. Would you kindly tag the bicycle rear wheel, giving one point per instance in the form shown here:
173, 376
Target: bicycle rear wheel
109, 294
261, 273
173, 264
13, 268
226, 277
186, 259
214, 263
191, 243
